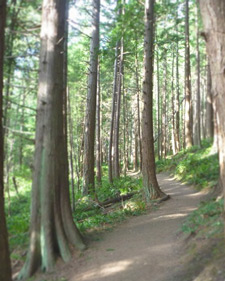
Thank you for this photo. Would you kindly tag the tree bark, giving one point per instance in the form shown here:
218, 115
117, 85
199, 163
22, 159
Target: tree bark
98, 129
213, 12
52, 228
209, 107
5, 266
90, 119
197, 121
150, 183
188, 100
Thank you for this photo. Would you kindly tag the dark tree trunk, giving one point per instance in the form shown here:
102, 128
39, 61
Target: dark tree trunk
5, 266
52, 228
150, 182
188, 100
90, 119
213, 12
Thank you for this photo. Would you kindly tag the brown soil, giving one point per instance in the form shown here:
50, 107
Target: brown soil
143, 248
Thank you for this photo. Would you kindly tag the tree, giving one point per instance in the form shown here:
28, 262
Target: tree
52, 228
213, 12
5, 266
150, 183
188, 101
90, 119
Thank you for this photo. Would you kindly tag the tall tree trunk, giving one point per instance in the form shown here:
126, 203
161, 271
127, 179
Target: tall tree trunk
98, 129
90, 119
138, 103
197, 121
5, 266
164, 110
174, 148
158, 110
117, 114
150, 183
177, 102
111, 144
209, 107
213, 12
188, 100
52, 228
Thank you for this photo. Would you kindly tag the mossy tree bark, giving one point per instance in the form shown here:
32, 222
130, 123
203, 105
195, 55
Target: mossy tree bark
150, 183
5, 267
52, 228
213, 12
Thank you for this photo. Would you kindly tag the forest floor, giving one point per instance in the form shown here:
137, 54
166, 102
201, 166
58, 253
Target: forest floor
150, 247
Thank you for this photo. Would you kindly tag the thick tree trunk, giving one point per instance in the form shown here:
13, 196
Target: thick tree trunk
188, 100
90, 119
52, 229
150, 182
213, 12
209, 107
5, 266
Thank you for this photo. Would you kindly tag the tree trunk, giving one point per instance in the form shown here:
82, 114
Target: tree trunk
197, 121
209, 107
213, 12
174, 148
164, 110
177, 102
188, 101
5, 266
150, 183
117, 115
111, 145
158, 110
90, 119
98, 129
52, 228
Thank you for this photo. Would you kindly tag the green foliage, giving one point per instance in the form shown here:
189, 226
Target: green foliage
195, 166
206, 220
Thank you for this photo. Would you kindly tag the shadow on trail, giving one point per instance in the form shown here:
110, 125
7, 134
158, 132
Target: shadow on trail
144, 248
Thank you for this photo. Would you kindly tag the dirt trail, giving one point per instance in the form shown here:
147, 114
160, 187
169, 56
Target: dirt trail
144, 248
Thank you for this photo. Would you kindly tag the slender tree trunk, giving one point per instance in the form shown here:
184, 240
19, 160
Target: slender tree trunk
209, 107
177, 102
158, 109
138, 104
90, 119
164, 110
188, 100
197, 121
117, 115
174, 148
5, 266
52, 228
98, 144
111, 145
150, 182
213, 12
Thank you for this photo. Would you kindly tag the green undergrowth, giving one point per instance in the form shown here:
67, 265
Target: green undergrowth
197, 166
206, 221
88, 215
